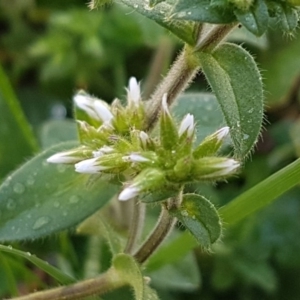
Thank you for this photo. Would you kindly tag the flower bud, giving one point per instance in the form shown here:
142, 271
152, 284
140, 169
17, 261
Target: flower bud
187, 126
168, 130
214, 168
133, 92
69, 157
147, 181
211, 144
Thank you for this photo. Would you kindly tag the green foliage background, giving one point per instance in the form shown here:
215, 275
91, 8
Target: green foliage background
49, 49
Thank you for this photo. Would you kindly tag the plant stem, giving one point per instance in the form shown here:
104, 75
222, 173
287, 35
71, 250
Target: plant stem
177, 80
96, 286
136, 226
163, 227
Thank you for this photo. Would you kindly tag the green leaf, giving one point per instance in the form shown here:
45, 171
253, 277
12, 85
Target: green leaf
206, 110
256, 19
17, 140
130, 272
57, 131
43, 265
234, 77
201, 218
159, 13
202, 11
40, 198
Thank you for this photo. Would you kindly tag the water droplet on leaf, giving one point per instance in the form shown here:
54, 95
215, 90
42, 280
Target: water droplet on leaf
41, 222
19, 188
11, 204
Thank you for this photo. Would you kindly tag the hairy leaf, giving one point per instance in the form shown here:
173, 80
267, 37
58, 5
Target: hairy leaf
40, 198
234, 77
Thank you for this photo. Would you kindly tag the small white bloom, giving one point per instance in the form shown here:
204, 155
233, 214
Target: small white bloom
222, 133
85, 103
134, 91
227, 167
67, 157
134, 157
144, 138
88, 166
187, 125
103, 111
128, 193
165, 104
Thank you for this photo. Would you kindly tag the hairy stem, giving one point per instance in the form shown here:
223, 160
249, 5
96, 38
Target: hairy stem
96, 286
136, 226
163, 227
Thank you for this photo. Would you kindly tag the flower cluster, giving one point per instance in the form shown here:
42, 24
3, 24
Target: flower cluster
113, 142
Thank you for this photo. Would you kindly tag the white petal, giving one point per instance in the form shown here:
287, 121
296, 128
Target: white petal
134, 157
88, 166
144, 138
187, 124
85, 103
134, 91
63, 158
128, 193
227, 167
165, 103
222, 133
103, 111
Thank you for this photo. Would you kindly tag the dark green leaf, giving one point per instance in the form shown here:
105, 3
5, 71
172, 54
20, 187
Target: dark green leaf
17, 140
202, 11
234, 77
201, 218
40, 198
160, 13
256, 19
43, 265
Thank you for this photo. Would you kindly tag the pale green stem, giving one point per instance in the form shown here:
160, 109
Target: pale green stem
80, 290
162, 229
136, 226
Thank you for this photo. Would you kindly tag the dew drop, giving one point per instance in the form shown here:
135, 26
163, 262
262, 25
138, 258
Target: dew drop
74, 199
11, 204
61, 168
56, 204
30, 180
41, 222
19, 188
28, 253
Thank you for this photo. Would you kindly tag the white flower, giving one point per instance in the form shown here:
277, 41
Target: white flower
165, 104
134, 157
95, 108
67, 157
222, 133
90, 166
129, 193
187, 125
226, 167
133, 91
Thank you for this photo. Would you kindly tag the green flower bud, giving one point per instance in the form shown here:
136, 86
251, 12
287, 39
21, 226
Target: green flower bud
168, 130
211, 144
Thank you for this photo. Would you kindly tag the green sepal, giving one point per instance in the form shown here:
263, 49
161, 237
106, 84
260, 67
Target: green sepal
201, 218
168, 131
256, 19
120, 120
183, 168
149, 180
166, 192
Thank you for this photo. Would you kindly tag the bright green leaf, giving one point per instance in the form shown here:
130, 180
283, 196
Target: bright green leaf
256, 19
202, 11
40, 198
129, 271
17, 140
234, 77
160, 13
41, 264
201, 218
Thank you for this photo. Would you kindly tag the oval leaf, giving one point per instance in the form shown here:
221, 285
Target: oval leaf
40, 198
201, 218
234, 77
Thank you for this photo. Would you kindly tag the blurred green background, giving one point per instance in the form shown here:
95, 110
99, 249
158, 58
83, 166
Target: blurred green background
50, 49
